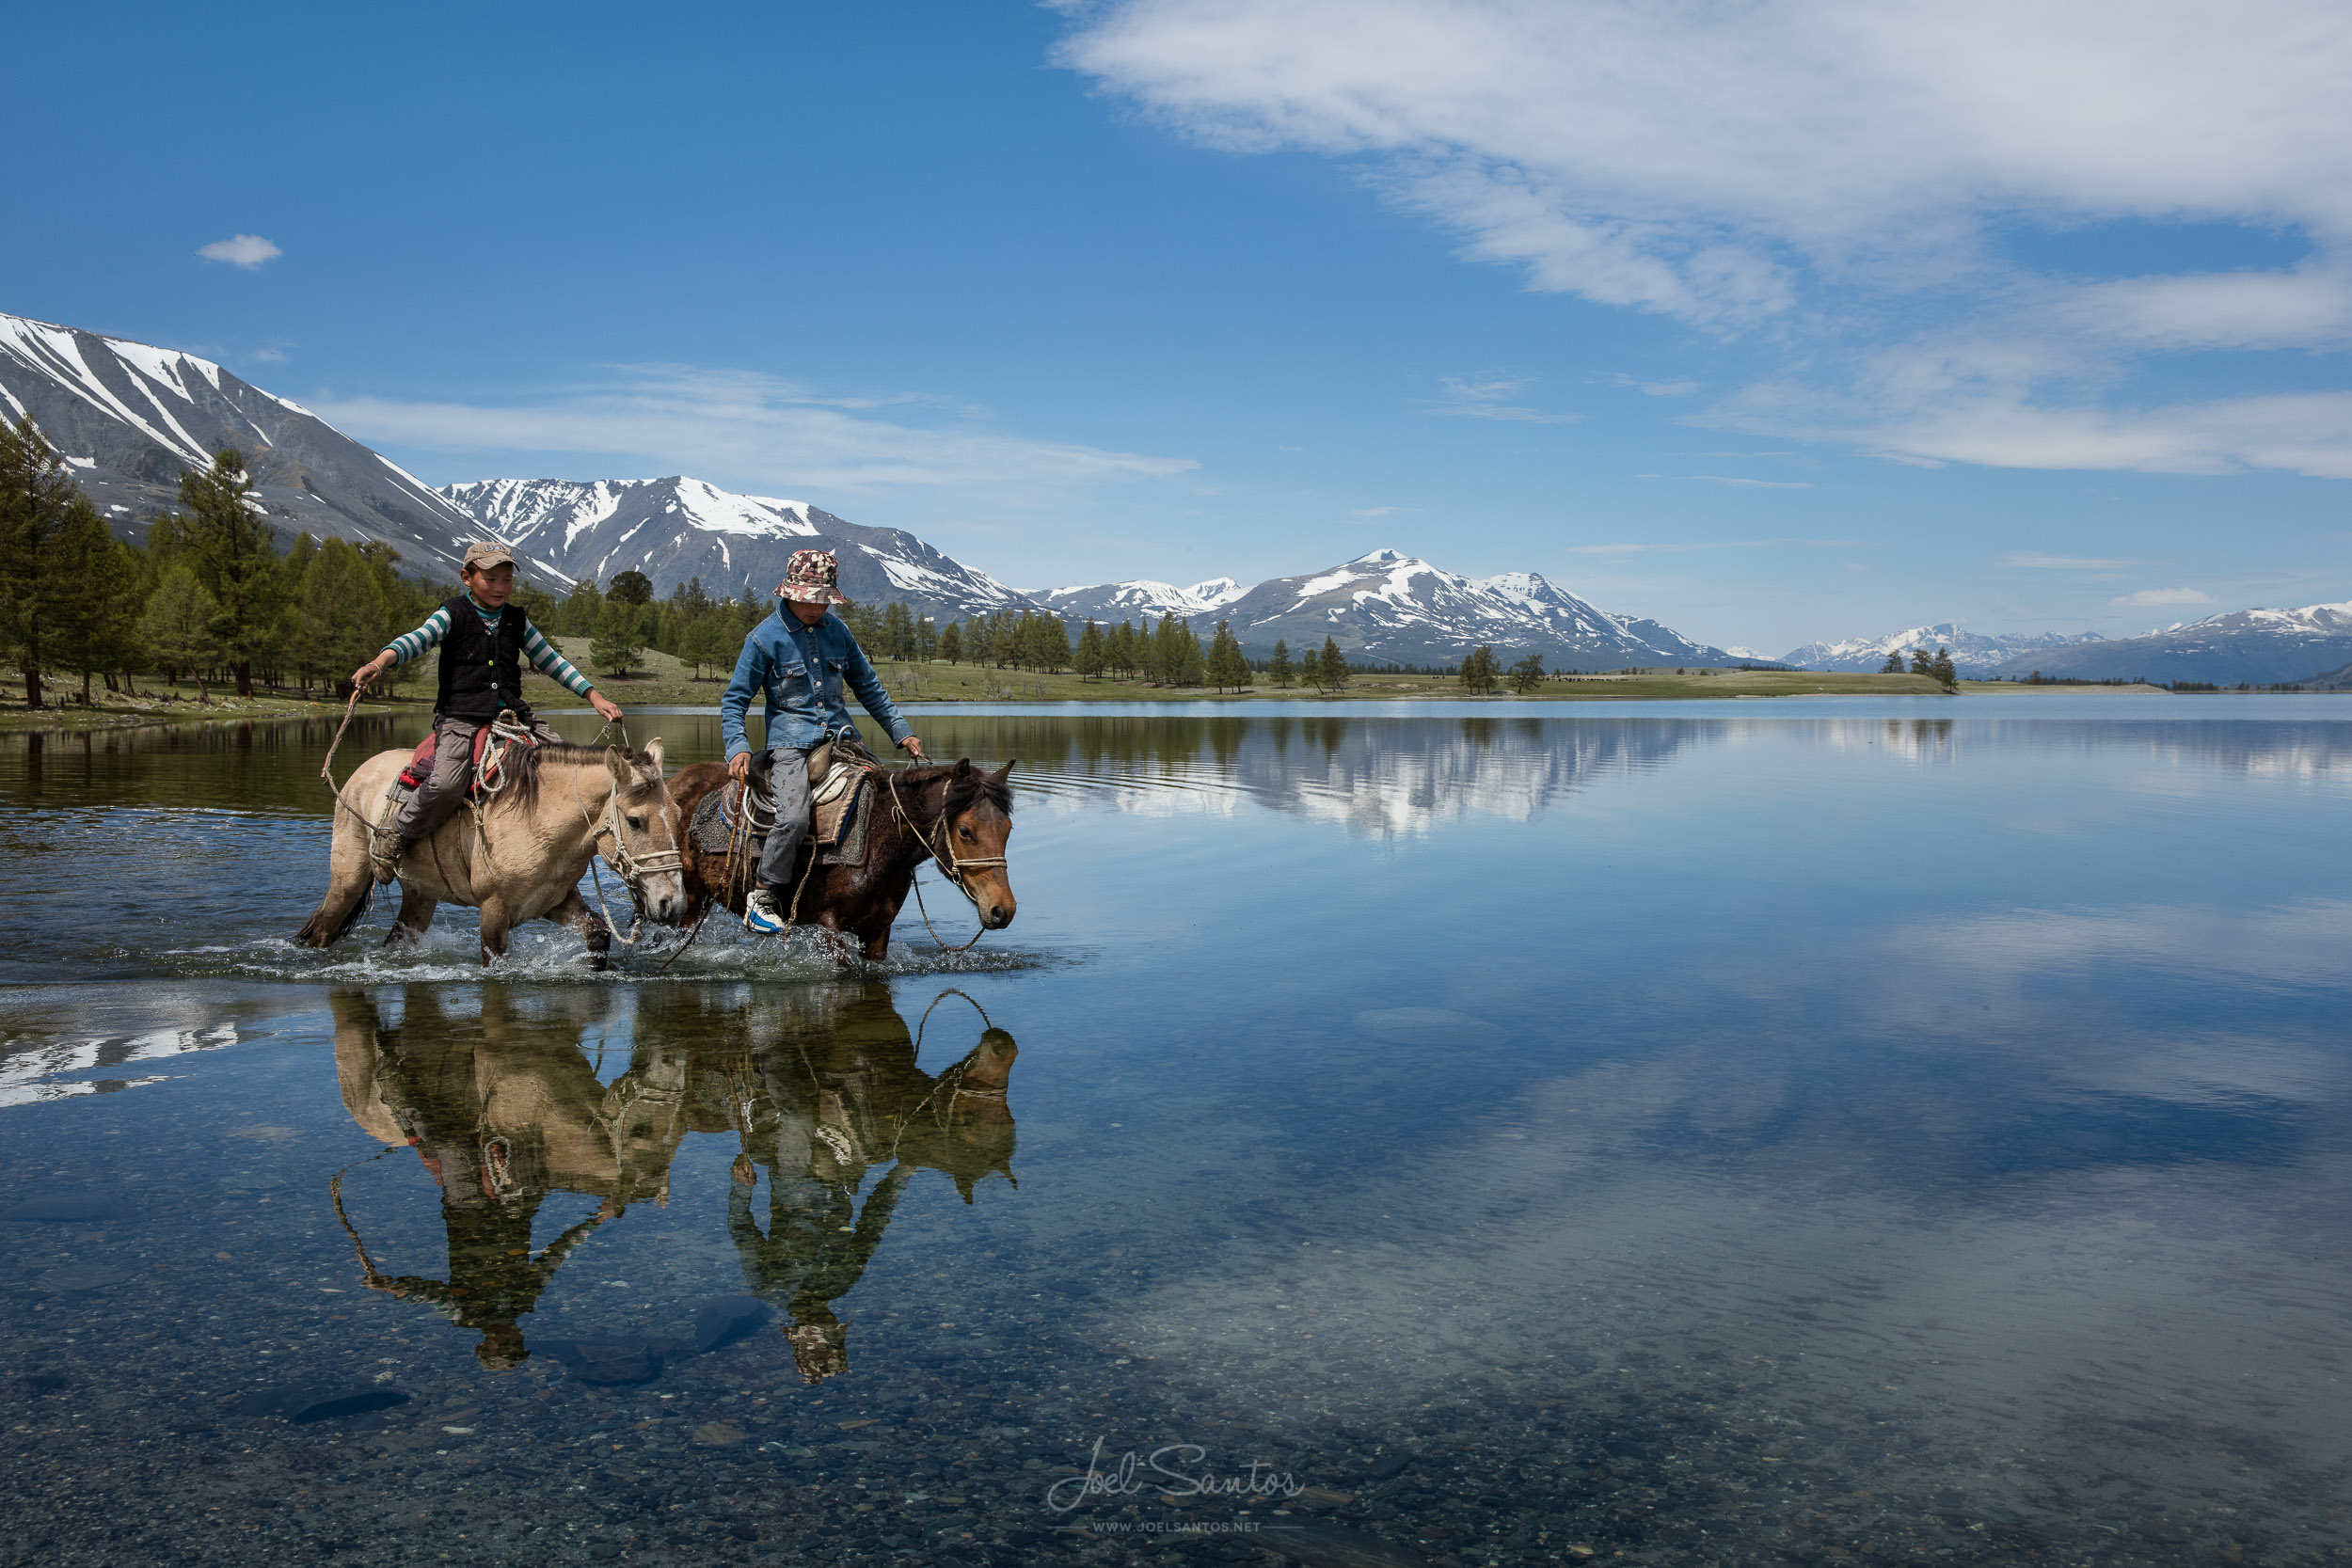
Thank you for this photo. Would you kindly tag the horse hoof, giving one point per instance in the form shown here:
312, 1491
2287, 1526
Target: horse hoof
598, 963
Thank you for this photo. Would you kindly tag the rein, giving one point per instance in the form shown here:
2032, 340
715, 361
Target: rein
949, 863
631, 869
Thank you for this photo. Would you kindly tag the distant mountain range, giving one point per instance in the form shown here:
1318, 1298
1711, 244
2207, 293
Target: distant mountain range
676, 529
128, 418
2264, 647
1973, 653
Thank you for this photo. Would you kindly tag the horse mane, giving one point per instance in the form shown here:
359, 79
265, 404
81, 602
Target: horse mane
523, 763
964, 792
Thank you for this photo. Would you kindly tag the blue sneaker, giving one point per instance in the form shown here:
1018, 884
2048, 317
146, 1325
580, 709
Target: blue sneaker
760, 912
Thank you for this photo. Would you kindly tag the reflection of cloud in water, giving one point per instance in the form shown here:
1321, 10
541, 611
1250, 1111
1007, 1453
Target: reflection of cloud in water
36, 1071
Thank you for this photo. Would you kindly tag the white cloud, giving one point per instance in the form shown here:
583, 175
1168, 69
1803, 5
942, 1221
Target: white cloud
2064, 563
241, 251
1369, 512
1756, 484
2161, 596
1837, 183
745, 429
1720, 544
1484, 397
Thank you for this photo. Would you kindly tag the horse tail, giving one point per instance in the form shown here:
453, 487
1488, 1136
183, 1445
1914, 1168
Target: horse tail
328, 926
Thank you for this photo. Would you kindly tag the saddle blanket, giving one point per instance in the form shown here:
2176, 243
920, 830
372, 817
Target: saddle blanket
840, 831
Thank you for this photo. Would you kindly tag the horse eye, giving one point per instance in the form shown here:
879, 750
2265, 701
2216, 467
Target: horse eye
966, 831
637, 822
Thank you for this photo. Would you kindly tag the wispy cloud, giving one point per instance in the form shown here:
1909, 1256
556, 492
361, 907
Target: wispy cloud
2065, 562
1839, 186
1486, 398
1369, 512
1756, 484
241, 251
1654, 389
1715, 544
2150, 596
746, 429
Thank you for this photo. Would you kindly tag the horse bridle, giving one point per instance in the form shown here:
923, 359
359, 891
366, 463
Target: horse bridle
947, 859
630, 867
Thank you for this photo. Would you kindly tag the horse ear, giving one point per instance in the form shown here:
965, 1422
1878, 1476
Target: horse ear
653, 752
617, 763
1005, 772
963, 768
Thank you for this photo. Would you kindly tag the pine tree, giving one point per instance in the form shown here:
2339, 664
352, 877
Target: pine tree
629, 588
619, 645
1119, 650
229, 547
708, 643
925, 640
35, 498
1053, 641
1941, 667
1279, 670
897, 636
1894, 665
1920, 663
177, 627
1089, 659
1226, 666
1527, 675
1334, 673
951, 643
578, 615
92, 625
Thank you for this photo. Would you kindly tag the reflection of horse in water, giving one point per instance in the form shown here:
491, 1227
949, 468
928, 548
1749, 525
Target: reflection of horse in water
819, 1086
838, 1095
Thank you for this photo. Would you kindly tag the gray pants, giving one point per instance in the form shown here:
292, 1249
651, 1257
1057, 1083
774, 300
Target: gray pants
444, 789
788, 784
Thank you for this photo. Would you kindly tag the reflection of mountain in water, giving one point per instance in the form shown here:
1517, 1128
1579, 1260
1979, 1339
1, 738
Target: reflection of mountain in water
818, 1085
1379, 776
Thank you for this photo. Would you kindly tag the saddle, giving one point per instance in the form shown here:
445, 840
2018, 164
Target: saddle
420, 765
838, 781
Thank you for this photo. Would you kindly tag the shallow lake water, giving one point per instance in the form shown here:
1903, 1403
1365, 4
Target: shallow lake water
1745, 1133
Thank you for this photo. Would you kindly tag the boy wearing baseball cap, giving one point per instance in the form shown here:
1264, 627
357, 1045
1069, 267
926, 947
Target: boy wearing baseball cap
484, 642
800, 657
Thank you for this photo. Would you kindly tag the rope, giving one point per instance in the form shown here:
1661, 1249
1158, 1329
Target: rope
326, 769
949, 865
925, 1019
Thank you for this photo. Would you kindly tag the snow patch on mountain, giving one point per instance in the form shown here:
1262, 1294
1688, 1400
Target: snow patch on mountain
1114, 601
1973, 653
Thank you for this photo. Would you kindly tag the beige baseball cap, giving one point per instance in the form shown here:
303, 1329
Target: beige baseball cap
482, 556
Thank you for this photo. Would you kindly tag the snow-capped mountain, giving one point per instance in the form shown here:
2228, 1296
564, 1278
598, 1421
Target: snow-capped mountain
1119, 601
1389, 607
678, 528
128, 417
1973, 653
2264, 647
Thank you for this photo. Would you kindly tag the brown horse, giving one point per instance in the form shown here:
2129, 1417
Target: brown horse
957, 815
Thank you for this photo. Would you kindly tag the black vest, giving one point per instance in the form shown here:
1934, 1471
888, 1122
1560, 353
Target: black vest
482, 673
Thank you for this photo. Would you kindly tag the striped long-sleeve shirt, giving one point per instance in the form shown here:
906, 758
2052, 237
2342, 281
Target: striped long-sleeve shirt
537, 651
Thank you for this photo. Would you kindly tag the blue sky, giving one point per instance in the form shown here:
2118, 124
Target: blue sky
1778, 322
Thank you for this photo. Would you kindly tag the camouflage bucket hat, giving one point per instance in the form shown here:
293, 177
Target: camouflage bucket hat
811, 578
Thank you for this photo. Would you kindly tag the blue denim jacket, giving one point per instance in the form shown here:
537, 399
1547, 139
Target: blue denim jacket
802, 670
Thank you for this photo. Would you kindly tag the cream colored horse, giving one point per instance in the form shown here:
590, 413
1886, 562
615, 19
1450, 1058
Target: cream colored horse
521, 856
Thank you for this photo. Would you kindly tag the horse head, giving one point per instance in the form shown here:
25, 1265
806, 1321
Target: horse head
977, 820
646, 833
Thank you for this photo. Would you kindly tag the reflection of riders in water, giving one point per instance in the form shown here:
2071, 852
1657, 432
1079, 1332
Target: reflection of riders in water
505, 1108
837, 1094
501, 1116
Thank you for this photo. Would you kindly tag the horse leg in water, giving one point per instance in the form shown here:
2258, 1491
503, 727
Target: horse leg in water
348, 879
574, 912
416, 915
494, 924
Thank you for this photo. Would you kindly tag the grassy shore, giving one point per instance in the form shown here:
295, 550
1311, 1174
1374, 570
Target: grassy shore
666, 683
